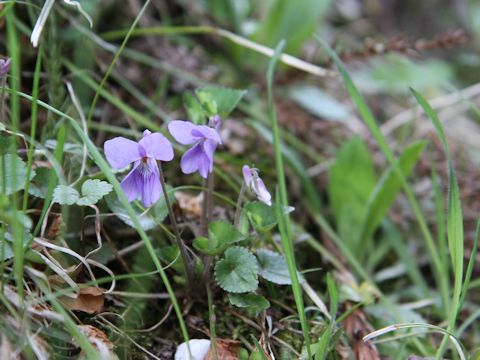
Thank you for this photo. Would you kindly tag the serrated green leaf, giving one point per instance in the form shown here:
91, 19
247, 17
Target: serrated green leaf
13, 184
155, 215
273, 267
221, 236
93, 190
237, 272
195, 111
251, 301
219, 100
65, 195
261, 216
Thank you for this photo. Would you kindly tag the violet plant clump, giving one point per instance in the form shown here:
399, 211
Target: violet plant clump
256, 184
205, 140
143, 180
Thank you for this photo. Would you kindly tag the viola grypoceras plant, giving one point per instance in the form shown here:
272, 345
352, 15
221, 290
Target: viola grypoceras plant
205, 139
144, 178
256, 185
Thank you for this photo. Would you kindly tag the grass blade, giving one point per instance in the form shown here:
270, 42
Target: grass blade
369, 119
282, 201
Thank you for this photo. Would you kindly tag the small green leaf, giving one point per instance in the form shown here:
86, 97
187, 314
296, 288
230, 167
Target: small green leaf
351, 182
221, 236
65, 195
238, 271
261, 216
251, 301
93, 190
195, 111
319, 103
39, 184
154, 217
219, 100
273, 267
14, 166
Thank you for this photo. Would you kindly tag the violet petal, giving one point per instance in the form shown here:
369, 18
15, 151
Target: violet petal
207, 133
157, 146
131, 184
120, 152
190, 160
247, 175
182, 131
262, 192
151, 189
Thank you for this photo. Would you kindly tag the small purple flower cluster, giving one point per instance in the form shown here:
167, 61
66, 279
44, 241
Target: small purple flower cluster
143, 180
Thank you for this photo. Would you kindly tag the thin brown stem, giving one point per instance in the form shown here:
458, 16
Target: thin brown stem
238, 207
178, 238
203, 219
210, 185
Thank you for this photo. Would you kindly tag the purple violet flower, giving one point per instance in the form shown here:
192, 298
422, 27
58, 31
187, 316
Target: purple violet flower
4, 66
200, 156
144, 178
256, 185
216, 122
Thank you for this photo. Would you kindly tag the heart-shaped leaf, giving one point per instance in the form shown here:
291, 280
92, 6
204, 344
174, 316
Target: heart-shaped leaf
250, 301
93, 190
273, 267
238, 271
65, 195
221, 236
219, 100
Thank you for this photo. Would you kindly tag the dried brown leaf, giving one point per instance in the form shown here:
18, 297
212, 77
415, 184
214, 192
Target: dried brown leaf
100, 341
226, 350
191, 206
356, 327
90, 300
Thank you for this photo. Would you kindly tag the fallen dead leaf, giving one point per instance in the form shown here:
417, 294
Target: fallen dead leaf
357, 326
100, 341
226, 350
191, 206
90, 300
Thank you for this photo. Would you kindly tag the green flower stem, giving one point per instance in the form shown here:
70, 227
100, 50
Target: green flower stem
238, 207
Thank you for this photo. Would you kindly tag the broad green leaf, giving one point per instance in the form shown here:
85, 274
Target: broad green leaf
65, 195
39, 184
396, 73
351, 182
219, 100
237, 272
170, 255
273, 267
261, 215
251, 301
149, 220
93, 190
293, 21
15, 173
318, 103
195, 111
388, 187
6, 251
221, 236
